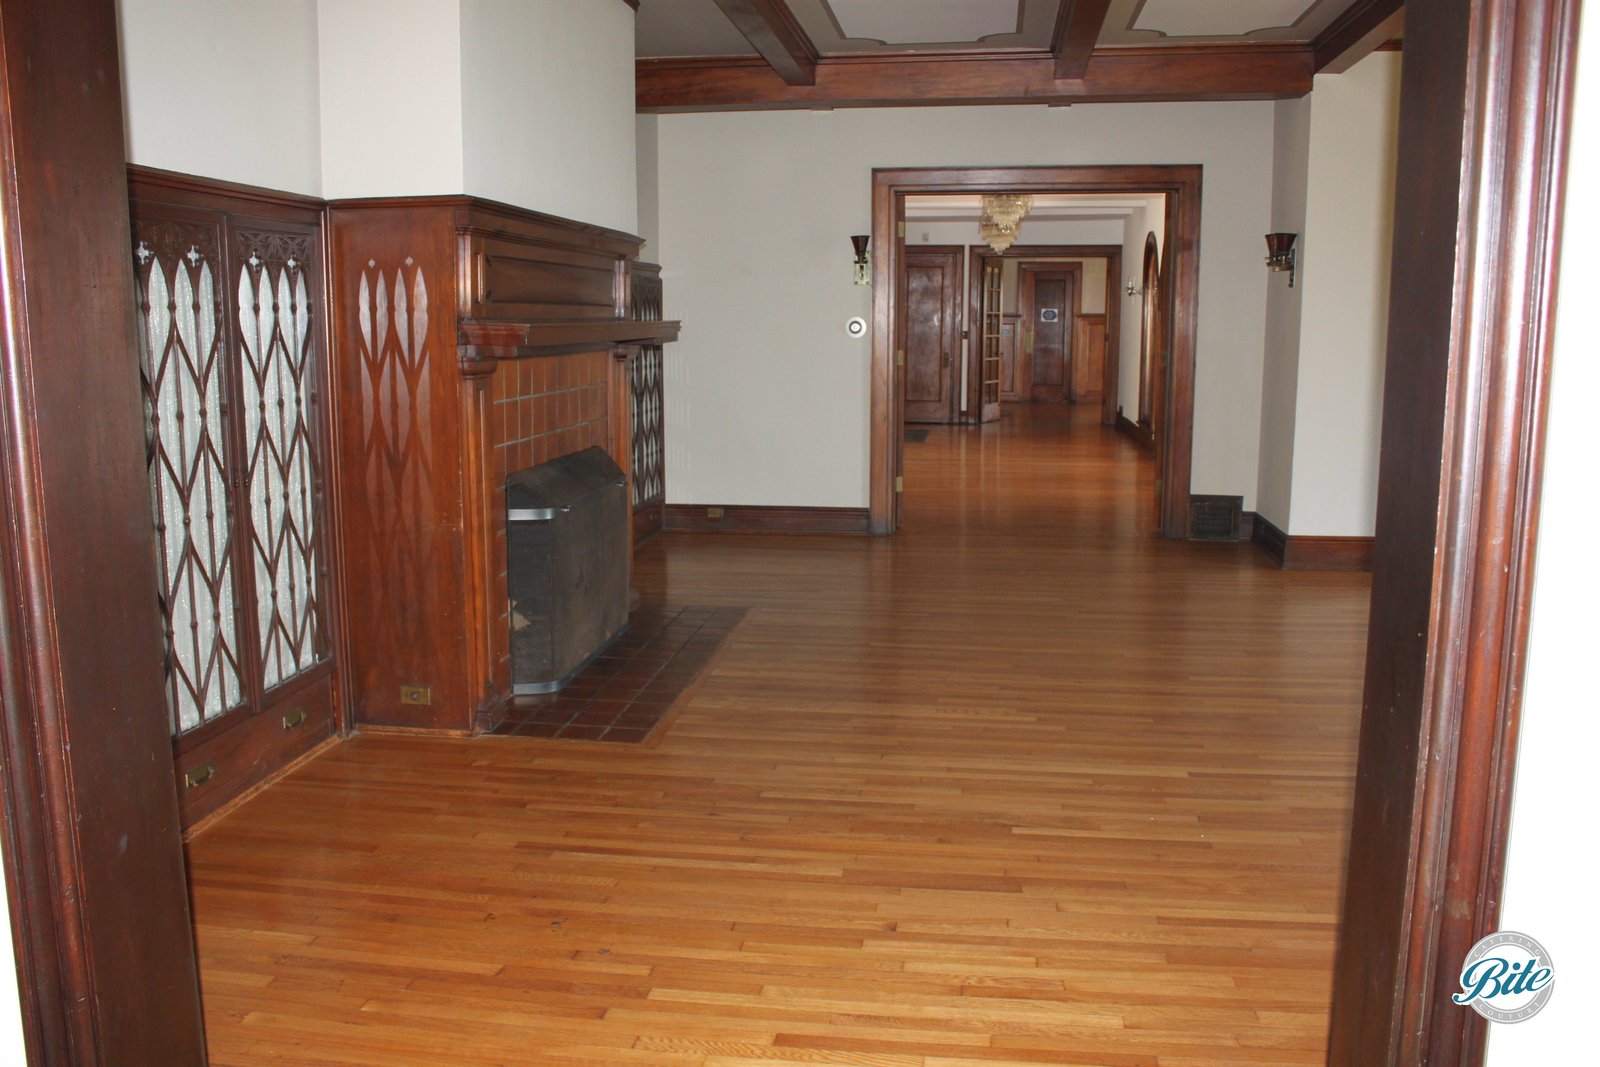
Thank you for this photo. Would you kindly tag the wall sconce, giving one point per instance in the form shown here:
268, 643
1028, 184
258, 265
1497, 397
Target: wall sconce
1280, 253
1132, 290
863, 264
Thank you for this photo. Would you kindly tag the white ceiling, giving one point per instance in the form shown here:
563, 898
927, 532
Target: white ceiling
1155, 22
846, 27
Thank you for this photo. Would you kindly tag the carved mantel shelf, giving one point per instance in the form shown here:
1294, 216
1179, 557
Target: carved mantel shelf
481, 344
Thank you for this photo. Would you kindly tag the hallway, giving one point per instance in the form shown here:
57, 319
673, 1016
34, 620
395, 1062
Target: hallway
1022, 784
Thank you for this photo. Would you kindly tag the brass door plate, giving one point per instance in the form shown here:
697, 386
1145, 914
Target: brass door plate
416, 694
294, 718
199, 775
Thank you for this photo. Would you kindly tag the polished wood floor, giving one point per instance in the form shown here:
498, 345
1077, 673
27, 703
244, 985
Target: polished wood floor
1022, 785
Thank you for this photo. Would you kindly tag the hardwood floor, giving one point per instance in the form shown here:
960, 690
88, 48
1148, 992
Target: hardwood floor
1022, 785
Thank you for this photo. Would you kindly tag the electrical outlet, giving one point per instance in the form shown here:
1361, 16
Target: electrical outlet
416, 694
713, 513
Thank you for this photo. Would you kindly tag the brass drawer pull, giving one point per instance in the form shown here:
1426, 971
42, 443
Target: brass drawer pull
199, 775
294, 718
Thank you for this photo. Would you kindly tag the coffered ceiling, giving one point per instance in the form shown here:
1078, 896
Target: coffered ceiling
742, 54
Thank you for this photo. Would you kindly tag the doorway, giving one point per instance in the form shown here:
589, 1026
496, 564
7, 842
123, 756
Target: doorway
1178, 185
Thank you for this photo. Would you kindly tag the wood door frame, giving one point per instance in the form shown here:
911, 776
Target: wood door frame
1069, 331
99, 910
977, 254
956, 326
1484, 114
1151, 334
890, 186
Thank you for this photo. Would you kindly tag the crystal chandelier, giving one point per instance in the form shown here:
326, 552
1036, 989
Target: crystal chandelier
1002, 217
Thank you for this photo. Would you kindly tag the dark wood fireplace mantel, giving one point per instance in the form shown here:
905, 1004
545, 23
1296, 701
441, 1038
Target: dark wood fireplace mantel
467, 335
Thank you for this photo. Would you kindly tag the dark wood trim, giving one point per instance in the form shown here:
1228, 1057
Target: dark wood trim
1357, 33
1126, 73
632, 3
1295, 553
1078, 25
1484, 108
99, 913
777, 35
744, 518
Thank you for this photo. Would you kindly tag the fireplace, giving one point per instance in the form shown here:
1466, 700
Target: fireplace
567, 533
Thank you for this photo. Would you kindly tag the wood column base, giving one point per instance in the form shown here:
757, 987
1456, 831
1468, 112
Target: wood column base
1312, 553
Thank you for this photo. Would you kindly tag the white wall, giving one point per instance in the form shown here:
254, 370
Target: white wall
1291, 156
1152, 219
1344, 267
391, 97
768, 398
547, 107
648, 150
1549, 867
223, 88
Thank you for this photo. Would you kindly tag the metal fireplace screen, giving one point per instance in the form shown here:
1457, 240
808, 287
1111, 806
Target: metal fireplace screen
567, 529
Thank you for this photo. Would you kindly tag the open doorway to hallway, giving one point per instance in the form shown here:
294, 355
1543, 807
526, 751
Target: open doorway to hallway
1057, 310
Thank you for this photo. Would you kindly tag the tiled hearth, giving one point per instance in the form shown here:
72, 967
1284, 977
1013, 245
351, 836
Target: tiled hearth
631, 690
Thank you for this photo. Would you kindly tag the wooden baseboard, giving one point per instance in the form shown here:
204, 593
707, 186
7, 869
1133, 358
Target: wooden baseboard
739, 518
1312, 553
1140, 436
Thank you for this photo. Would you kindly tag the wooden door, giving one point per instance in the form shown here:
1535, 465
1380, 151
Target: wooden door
932, 333
1049, 308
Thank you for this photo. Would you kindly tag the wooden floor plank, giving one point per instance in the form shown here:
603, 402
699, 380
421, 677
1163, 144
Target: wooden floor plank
1021, 785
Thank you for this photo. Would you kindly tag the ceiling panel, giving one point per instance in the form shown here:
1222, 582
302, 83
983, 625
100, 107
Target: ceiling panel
841, 27
1213, 21
686, 28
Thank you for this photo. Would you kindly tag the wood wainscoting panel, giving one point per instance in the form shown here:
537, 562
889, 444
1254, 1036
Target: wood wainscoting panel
1089, 359
744, 518
395, 367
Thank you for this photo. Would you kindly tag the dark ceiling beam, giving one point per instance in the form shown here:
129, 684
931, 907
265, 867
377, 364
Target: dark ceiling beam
1175, 72
1078, 25
1357, 33
773, 31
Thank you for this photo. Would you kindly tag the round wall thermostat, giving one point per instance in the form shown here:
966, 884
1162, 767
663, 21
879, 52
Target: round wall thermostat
856, 327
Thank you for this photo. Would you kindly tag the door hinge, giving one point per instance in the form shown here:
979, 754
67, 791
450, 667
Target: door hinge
899, 357
900, 229
899, 484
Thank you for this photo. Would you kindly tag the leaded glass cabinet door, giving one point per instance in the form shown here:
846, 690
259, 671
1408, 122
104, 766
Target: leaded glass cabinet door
234, 370
185, 378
